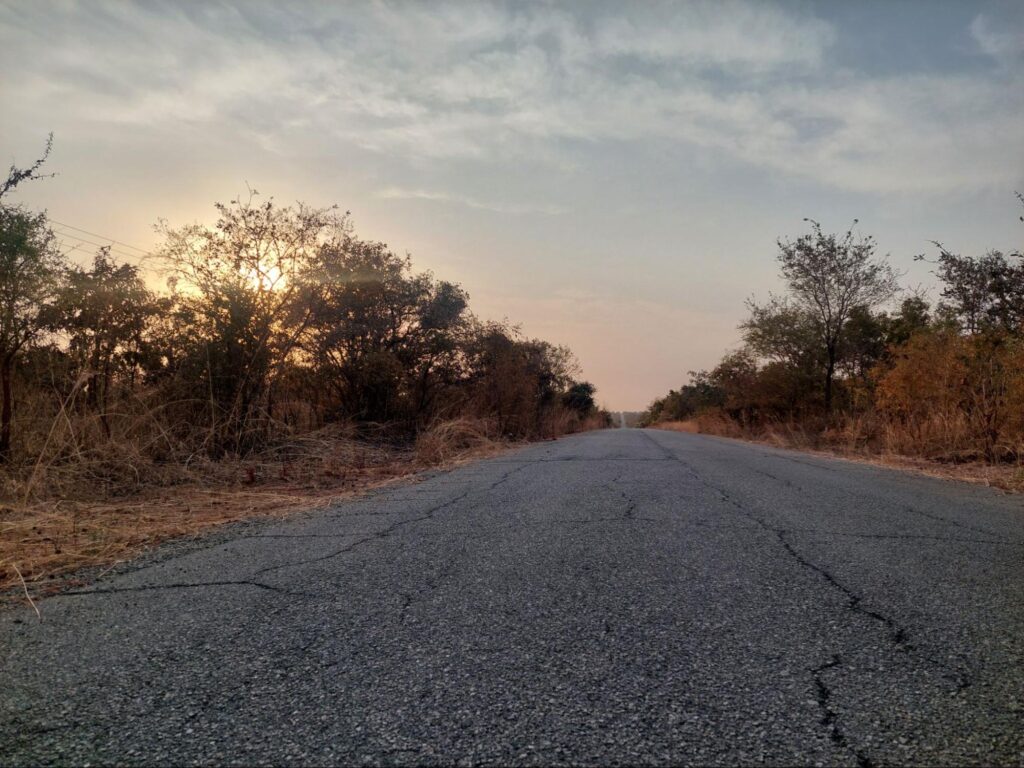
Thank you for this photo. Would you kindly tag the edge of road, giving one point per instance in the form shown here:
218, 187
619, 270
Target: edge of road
968, 473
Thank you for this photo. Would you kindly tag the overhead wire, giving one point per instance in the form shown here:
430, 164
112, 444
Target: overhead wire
101, 237
82, 241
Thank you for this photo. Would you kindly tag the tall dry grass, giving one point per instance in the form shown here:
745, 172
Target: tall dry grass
93, 497
942, 445
87, 490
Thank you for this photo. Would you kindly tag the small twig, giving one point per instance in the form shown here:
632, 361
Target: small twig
107, 570
24, 586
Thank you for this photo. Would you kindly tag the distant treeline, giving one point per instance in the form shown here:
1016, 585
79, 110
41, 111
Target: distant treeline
276, 320
848, 357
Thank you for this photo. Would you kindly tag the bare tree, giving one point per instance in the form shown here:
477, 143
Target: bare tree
16, 176
828, 275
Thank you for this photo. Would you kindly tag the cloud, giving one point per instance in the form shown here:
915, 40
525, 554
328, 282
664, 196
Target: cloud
502, 84
1005, 43
400, 193
742, 36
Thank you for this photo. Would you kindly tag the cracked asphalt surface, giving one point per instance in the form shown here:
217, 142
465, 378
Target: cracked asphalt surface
615, 597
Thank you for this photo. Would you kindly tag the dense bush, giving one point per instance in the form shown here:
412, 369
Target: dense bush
829, 363
277, 321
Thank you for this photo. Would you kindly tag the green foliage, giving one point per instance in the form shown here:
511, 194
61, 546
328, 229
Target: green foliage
580, 398
984, 293
30, 272
104, 313
384, 339
829, 276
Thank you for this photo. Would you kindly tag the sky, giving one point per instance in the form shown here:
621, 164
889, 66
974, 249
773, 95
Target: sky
611, 176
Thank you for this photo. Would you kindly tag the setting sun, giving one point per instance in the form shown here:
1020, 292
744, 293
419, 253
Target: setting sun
268, 278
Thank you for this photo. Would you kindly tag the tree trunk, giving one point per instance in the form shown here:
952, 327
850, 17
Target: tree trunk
830, 372
102, 388
93, 391
6, 409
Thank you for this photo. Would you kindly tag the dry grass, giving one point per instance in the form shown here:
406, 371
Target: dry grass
45, 540
856, 440
447, 441
690, 426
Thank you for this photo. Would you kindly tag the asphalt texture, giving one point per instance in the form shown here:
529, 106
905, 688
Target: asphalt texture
616, 597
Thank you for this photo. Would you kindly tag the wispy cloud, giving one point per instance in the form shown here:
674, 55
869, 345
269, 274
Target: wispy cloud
1001, 42
399, 193
496, 83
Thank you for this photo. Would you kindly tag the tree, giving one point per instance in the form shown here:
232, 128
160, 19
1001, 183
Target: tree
864, 344
984, 293
29, 267
912, 317
701, 393
735, 377
29, 274
380, 336
580, 398
786, 335
516, 381
828, 275
105, 311
241, 285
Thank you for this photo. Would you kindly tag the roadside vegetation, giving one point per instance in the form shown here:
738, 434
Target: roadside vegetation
847, 361
288, 360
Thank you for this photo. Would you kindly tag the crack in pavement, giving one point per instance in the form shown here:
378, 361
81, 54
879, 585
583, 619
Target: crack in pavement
908, 508
896, 634
760, 650
302, 535
183, 585
601, 460
504, 478
666, 454
783, 457
328, 513
383, 533
903, 537
408, 598
430, 584
947, 521
829, 717
24, 731
776, 478
584, 521
612, 485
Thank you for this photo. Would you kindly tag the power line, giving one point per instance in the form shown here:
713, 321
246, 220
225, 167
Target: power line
74, 248
101, 237
81, 244
81, 240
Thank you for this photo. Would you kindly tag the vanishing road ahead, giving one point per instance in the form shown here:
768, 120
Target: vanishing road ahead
622, 596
